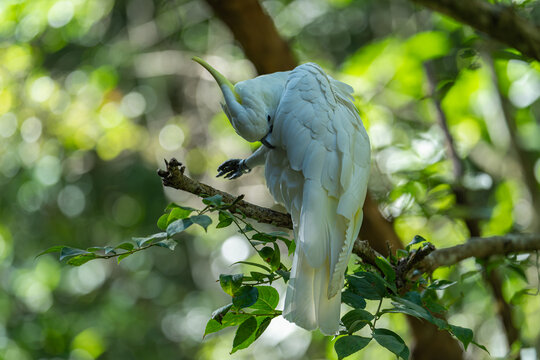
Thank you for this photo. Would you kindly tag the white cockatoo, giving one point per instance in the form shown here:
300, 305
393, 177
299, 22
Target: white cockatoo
317, 158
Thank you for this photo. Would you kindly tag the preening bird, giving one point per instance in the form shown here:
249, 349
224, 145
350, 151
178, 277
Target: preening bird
317, 157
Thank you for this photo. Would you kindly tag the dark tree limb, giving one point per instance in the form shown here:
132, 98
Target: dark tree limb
174, 177
499, 21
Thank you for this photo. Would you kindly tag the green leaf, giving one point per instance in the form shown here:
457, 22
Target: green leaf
167, 243
162, 221
356, 319
416, 240
178, 212
350, 298
266, 268
266, 253
263, 237
231, 283
291, 247
220, 313
81, 259
392, 342
441, 284
216, 200
348, 345
247, 228
67, 252
285, 274
480, 346
402, 253
262, 326
275, 262
279, 234
405, 306
57, 248
202, 220
245, 297
141, 241
230, 319
178, 226
462, 334
268, 299
123, 256
245, 334
224, 223
367, 285
125, 246
386, 268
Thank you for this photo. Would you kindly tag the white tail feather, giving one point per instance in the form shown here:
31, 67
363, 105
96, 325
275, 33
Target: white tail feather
306, 302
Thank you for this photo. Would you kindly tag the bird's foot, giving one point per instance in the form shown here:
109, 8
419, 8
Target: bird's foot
233, 169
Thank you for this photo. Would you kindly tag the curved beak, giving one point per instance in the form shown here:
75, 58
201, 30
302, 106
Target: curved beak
221, 80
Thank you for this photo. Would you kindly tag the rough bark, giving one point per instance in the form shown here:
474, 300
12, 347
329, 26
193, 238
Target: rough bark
500, 22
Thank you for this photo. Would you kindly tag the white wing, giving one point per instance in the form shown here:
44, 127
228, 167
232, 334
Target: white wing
319, 171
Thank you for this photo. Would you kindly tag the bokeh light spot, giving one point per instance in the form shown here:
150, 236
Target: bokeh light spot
60, 13
133, 104
8, 125
31, 129
42, 89
171, 137
235, 249
48, 170
71, 201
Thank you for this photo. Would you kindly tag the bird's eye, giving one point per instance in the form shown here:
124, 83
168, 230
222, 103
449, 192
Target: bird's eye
268, 118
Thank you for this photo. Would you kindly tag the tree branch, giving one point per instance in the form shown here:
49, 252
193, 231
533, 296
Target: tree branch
500, 22
480, 248
476, 247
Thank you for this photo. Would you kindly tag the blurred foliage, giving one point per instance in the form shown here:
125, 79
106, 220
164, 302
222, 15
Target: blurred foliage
95, 93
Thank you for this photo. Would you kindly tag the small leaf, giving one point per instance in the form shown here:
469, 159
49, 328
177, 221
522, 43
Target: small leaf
441, 284
348, 345
167, 243
248, 228
57, 248
230, 319
67, 252
178, 213
285, 274
266, 253
178, 226
224, 223
81, 259
356, 319
125, 246
216, 200
480, 346
292, 247
262, 327
245, 331
140, 241
202, 220
231, 283
350, 298
263, 237
462, 334
275, 262
123, 256
266, 268
402, 253
386, 268
220, 313
268, 299
245, 297
416, 240
392, 342
162, 221
367, 285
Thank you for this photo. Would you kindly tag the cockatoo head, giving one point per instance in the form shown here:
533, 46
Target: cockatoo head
250, 105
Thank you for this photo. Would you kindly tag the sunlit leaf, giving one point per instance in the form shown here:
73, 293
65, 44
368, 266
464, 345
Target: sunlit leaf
231, 283
267, 300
